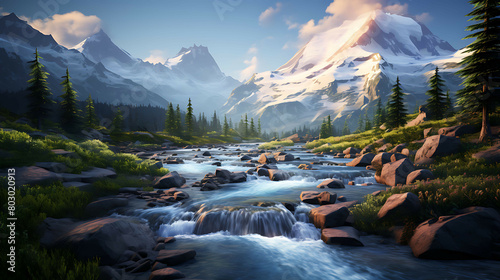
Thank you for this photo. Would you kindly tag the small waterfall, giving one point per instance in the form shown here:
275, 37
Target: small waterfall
269, 221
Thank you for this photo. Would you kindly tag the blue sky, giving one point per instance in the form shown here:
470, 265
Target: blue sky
240, 34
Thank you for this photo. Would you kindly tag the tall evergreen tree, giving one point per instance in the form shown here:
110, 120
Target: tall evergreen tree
368, 124
259, 129
436, 102
118, 121
178, 121
253, 130
189, 120
170, 120
225, 129
246, 132
90, 116
481, 66
39, 96
69, 109
378, 113
396, 108
323, 131
346, 130
360, 124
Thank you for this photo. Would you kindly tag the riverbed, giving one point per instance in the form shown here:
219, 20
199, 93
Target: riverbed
243, 231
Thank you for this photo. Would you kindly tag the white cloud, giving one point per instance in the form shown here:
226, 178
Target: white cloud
291, 24
251, 69
68, 29
252, 50
397, 9
339, 11
267, 16
156, 56
2, 12
424, 18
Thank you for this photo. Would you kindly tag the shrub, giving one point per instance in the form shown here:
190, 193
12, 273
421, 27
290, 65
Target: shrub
276, 144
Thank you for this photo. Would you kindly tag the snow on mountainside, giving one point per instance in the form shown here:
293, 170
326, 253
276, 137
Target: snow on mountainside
344, 70
192, 73
18, 41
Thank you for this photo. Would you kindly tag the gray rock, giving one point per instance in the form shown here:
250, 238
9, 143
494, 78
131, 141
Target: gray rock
419, 175
437, 145
101, 207
331, 184
458, 130
96, 173
395, 173
341, 236
473, 234
166, 274
332, 215
57, 167
171, 180
106, 238
491, 155
175, 257
399, 206
380, 159
362, 161
278, 175
238, 177
33, 175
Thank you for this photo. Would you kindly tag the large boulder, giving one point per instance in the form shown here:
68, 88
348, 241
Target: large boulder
458, 130
399, 206
278, 175
351, 150
421, 118
103, 206
105, 238
223, 174
419, 175
96, 173
437, 145
171, 180
474, 233
399, 148
284, 157
395, 173
33, 175
331, 184
343, 235
322, 198
362, 161
266, 158
380, 159
367, 149
56, 167
175, 257
491, 155
238, 177
166, 274
332, 215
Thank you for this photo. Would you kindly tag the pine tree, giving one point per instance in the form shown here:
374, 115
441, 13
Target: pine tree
346, 130
253, 131
178, 121
378, 113
90, 116
39, 96
118, 121
360, 124
368, 124
329, 126
323, 132
436, 101
481, 66
225, 129
259, 129
396, 108
246, 132
70, 112
189, 120
170, 120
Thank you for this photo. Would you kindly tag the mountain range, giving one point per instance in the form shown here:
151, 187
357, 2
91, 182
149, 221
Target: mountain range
343, 72
109, 73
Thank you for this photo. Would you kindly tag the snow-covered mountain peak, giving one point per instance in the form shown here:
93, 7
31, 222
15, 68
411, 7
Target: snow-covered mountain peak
14, 28
100, 48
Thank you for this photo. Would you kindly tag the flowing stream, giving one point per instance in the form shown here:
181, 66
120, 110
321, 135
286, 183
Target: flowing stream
243, 231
